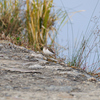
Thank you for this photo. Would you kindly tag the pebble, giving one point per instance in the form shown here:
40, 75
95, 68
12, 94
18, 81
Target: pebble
92, 79
1, 46
36, 66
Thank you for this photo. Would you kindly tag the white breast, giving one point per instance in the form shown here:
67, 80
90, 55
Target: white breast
47, 52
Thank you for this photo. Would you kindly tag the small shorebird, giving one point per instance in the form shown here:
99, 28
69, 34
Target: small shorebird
48, 51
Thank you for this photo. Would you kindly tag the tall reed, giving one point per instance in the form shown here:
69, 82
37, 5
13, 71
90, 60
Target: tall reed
40, 21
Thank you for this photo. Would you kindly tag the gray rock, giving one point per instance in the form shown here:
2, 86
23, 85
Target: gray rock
36, 55
6, 57
27, 75
54, 67
42, 62
59, 88
36, 66
1, 46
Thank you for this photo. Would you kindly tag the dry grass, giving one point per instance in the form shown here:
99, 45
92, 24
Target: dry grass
10, 22
40, 21
32, 26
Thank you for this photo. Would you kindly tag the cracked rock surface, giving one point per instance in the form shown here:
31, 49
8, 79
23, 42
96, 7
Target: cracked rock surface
25, 75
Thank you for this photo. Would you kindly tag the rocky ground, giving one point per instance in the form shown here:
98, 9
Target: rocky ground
25, 75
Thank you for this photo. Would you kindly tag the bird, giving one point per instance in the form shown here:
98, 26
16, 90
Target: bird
48, 51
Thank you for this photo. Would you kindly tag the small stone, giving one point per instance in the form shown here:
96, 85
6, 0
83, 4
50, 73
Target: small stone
76, 90
36, 55
1, 46
55, 67
8, 87
36, 66
26, 88
6, 57
7, 95
59, 88
42, 61
92, 79
1, 55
